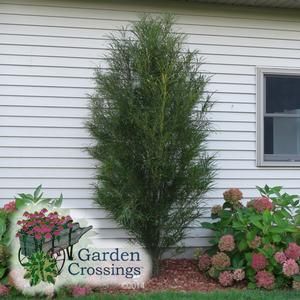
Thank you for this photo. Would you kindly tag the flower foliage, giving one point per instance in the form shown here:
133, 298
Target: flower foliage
41, 225
257, 242
40, 267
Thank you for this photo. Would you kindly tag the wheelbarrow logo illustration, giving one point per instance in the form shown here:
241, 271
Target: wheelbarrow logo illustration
50, 233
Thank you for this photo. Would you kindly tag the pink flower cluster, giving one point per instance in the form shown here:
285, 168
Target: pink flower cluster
226, 243
220, 261
238, 274
215, 210
204, 262
255, 243
10, 207
290, 268
233, 196
262, 203
280, 257
265, 279
226, 278
259, 261
288, 259
78, 291
4, 290
293, 251
42, 225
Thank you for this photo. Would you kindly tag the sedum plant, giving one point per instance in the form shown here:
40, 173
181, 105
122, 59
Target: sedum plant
149, 121
256, 241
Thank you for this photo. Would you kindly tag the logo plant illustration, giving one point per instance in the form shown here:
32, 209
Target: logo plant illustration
46, 238
40, 267
43, 226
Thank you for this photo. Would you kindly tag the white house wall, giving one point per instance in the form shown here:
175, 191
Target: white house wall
48, 52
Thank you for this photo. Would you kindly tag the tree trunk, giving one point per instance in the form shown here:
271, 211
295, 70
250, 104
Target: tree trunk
155, 259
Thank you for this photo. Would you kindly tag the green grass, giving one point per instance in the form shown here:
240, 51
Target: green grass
220, 295
230, 295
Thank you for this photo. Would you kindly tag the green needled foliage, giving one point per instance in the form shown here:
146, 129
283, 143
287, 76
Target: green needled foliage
149, 120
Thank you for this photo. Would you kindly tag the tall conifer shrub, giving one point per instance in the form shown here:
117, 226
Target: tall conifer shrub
149, 121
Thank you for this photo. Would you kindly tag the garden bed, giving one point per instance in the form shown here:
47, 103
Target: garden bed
176, 275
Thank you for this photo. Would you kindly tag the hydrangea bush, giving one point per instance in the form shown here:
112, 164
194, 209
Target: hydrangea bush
256, 242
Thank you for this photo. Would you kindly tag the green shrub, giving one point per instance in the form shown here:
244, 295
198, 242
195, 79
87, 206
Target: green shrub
149, 121
257, 239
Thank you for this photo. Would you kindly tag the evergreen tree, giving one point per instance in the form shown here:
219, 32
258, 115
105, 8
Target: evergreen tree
149, 121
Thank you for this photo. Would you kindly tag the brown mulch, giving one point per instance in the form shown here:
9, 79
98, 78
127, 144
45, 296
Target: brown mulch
181, 275
175, 275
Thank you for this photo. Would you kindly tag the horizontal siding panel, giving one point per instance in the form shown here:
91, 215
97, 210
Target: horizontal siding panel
32, 132
48, 142
57, 163
70, 193
71, 139
225, 183
97, 60
98, 33
31, 70
48, 173
234, 155
236, 171
75, 147
93, 51
89, 82
70, 173
39, 121
48, 183
46, 100
43, 101
43, 152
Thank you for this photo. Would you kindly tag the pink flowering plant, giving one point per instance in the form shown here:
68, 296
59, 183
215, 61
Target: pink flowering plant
256, 242
43, 225
5, 214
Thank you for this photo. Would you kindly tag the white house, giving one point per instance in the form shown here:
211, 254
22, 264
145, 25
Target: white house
49, 49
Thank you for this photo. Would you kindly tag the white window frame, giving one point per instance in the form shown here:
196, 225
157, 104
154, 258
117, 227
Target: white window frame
260, 113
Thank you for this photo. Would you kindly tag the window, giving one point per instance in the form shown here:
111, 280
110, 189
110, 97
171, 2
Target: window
278, 117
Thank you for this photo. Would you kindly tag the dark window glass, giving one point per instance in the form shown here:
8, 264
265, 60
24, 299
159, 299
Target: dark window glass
282, 94
282, 132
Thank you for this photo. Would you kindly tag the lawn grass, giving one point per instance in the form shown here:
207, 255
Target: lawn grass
219, 295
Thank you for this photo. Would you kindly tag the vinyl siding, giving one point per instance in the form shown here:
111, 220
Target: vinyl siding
48, 52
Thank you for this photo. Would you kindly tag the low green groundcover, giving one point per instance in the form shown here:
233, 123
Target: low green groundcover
219, 295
